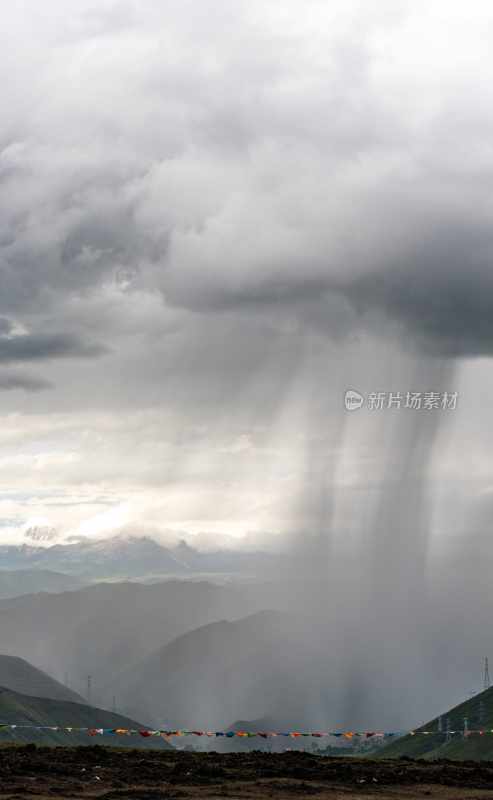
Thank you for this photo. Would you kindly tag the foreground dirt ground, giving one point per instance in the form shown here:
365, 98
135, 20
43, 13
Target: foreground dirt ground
110, 774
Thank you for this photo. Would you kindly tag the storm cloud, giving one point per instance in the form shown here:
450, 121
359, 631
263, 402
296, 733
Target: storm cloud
214, 219
284, 166
226, 191
38, 347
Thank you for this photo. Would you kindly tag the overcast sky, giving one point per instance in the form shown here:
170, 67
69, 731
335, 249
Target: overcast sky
215, 217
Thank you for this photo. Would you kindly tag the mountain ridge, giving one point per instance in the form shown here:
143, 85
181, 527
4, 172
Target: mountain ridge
470, 715
17, 582
21, 709
250, 667
105, 628
18, 675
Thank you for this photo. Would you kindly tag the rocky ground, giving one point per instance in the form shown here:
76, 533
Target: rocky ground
112, 774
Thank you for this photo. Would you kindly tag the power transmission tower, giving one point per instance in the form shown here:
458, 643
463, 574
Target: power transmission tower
89, 689
486, 674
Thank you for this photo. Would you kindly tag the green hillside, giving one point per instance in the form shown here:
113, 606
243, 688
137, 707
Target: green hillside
479, 714
20, 709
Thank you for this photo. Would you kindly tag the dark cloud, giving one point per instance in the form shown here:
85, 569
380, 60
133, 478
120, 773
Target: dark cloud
440, 290
41, 347
283, 175
11, 382
6, 326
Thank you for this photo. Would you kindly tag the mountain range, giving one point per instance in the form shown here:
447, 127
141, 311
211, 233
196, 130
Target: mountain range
106, 629
184, 652
262, 664
129, 557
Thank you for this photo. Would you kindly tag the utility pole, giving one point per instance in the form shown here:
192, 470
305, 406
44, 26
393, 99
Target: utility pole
448, 733
486, 674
